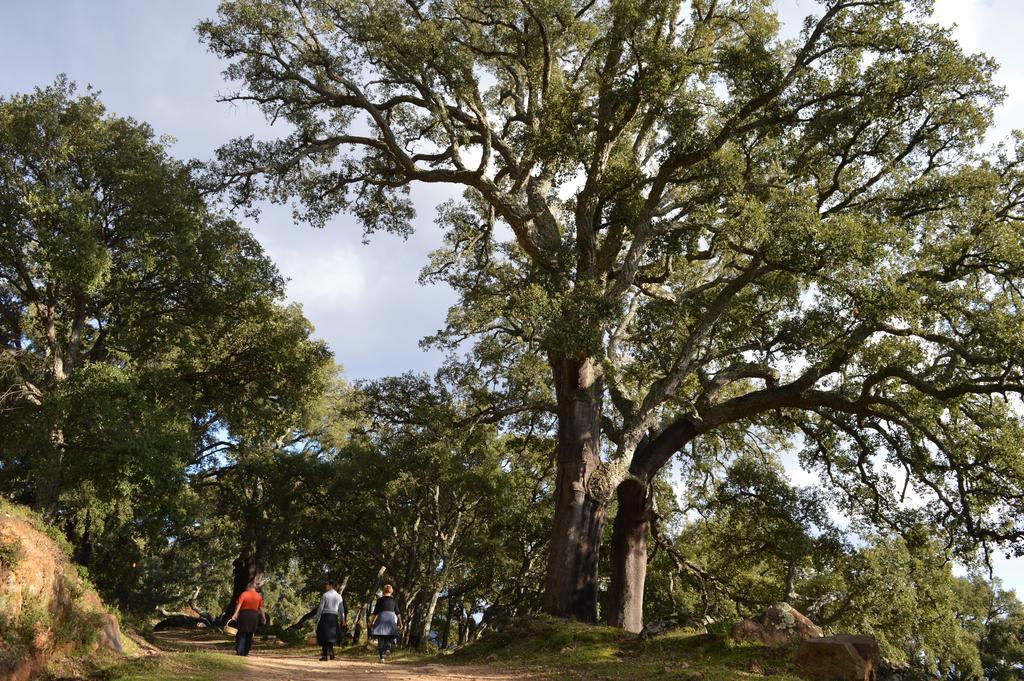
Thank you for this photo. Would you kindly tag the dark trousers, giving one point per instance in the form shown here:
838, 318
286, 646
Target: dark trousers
384, 644
328, 650
243, 642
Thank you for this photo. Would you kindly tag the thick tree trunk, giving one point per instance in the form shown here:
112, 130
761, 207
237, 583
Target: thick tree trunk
247, 568
629, 556
632, 522
570, 588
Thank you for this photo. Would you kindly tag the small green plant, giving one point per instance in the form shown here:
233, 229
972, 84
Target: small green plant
34, 618
11, 553
36, 520
78, 627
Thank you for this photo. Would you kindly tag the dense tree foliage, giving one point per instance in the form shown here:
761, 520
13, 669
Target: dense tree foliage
707, 232
687, 250
752, 539
142, 337
416, 489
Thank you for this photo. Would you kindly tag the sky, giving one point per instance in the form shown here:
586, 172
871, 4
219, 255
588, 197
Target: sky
364, 299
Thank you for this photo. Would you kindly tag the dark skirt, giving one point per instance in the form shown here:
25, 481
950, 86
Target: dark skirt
248, 620
328, 630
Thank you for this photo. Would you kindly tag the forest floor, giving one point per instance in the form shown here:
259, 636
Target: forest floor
195, 655
543, 648
277, 667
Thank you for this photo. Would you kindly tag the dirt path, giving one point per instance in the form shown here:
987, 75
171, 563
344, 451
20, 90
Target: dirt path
273, 667
270, 661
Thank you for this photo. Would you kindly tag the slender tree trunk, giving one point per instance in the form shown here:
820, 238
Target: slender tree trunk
426, 619
83, 545
463, 625
48, 500
410, 635
446, 634
629, 556
570, 588
410, 611
357, 625
789, 589
367, 616
48, 494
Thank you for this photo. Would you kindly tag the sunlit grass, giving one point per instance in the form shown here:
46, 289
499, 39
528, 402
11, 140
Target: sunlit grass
174, 667
557, 648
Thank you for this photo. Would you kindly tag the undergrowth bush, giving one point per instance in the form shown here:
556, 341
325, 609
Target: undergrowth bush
11, 553
72, 624
36, 520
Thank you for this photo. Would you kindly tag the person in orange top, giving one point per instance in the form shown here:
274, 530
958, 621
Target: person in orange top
249, 613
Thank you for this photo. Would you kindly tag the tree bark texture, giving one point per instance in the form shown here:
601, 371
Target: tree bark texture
426, 618
629, 556
632, 522
464, 620
246, 569
570, 589
446, 633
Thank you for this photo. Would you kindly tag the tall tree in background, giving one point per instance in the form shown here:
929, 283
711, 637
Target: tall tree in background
142, 334
421, 491
707, 231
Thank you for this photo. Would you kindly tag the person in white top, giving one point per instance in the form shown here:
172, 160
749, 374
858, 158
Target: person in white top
329, 616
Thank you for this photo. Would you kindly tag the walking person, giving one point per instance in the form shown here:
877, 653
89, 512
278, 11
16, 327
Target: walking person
386, 622
329, 616
249, 614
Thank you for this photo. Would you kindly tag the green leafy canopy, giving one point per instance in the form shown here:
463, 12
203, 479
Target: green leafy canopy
736, 232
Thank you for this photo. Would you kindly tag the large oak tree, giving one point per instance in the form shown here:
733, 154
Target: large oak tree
707, 231
142, 333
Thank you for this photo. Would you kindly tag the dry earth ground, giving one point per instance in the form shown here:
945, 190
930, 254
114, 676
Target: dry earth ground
272, 667
272, 662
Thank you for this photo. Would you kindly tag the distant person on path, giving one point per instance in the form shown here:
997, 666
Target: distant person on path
386, 622
249, 614
329, 616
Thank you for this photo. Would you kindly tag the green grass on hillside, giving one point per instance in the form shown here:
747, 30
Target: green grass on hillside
172, 667
558, 648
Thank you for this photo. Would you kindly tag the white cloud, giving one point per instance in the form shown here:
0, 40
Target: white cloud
966, 15
324, 279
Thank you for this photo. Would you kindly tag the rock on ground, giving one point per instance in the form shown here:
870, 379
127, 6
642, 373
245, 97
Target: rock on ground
659, 627
778, 625
844, 657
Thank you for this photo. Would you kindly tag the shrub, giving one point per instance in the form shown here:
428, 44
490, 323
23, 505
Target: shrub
36, 520
11, 553
78, 627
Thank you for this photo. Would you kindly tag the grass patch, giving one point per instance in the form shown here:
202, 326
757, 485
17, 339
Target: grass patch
172, 667
36, 520
552, 647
